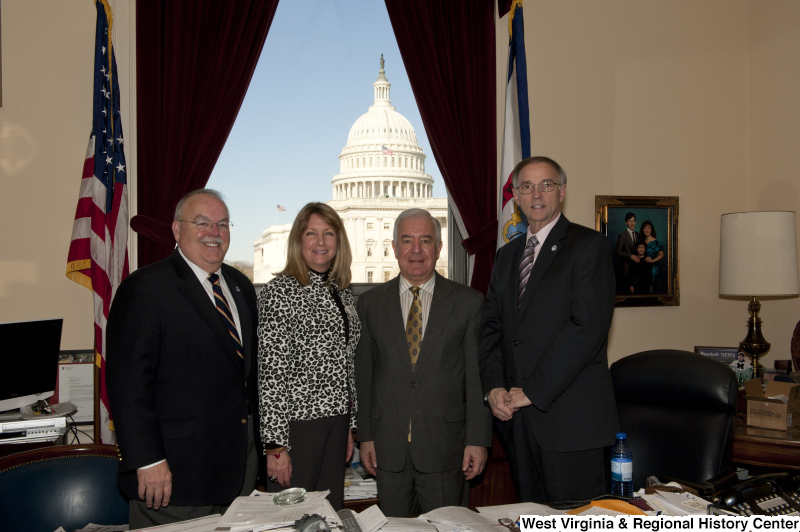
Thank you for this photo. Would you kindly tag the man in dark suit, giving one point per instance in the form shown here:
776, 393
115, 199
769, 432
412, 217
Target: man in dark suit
626, 251
543, 344
422, 423
181, 374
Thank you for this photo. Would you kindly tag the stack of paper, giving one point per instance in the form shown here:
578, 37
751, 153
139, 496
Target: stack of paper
258, 512
671, 503
458, 519
358, 484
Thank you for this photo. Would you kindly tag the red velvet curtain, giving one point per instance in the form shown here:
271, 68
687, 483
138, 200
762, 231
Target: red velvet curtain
448, 48
194, 62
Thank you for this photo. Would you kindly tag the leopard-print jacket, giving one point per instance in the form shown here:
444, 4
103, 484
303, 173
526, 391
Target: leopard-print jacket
305, 370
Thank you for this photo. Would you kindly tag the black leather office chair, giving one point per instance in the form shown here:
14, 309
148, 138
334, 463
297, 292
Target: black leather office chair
678, 410
65, 485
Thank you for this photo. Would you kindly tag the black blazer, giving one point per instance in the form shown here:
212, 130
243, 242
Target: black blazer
554, 346
177, 388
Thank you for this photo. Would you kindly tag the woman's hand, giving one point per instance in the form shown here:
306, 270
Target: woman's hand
280, 468
350, 445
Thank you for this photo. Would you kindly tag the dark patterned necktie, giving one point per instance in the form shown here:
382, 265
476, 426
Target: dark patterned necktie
414, 327
225, 310
526, 265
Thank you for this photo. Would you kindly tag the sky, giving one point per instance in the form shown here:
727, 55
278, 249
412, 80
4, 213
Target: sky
313, 81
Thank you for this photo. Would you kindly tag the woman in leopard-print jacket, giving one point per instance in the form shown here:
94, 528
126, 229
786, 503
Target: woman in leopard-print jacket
308, 330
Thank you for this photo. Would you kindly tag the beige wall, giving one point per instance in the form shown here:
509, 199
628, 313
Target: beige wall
699, 100
45, 121
682, 98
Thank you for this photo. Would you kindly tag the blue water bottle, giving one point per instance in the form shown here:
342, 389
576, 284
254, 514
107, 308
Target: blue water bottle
621, 467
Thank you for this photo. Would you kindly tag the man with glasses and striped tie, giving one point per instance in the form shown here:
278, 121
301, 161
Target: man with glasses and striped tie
544, 336
181, 374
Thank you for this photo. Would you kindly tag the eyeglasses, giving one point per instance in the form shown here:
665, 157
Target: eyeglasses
207, 225
544, 187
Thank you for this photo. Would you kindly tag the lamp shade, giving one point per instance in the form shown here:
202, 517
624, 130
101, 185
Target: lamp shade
758, 254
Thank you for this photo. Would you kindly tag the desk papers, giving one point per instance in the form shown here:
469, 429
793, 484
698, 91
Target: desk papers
670, 503
257, 512
459, 519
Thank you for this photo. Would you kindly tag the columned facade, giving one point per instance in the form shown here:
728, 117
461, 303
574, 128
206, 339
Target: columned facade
381, 173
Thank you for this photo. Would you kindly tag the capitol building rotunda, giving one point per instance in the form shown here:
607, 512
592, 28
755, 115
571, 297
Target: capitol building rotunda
381, 173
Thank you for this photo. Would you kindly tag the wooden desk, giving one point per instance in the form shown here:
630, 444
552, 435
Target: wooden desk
779, 449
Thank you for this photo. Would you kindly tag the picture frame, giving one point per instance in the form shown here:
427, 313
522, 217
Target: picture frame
75, 383
729, 356
642, 283
725, 355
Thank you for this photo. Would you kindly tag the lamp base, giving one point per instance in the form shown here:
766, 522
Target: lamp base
754, 343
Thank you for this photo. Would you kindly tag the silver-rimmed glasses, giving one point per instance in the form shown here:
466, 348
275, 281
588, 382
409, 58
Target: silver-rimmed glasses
543, 186
207, 225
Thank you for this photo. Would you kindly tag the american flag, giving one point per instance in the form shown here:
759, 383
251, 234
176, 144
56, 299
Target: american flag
280, 208
386, 151
98, 253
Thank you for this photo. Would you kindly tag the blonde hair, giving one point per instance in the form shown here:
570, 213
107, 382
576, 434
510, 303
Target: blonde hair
295, 263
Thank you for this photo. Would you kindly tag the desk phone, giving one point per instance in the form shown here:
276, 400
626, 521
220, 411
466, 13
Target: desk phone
772, 494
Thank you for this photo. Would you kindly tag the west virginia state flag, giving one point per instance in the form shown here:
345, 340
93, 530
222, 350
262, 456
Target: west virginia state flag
516, 130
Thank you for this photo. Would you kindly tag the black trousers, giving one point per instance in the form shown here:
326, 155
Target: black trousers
545, 476
319, 449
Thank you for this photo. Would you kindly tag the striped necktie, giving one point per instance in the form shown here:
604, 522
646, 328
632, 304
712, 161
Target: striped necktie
225, 310
526, 265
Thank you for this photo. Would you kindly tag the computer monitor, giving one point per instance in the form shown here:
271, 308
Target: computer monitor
29, 361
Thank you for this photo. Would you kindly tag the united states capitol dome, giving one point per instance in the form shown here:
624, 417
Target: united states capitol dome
381, 174
382, 158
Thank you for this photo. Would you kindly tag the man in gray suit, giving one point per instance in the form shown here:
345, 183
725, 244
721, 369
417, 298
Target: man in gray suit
422, 423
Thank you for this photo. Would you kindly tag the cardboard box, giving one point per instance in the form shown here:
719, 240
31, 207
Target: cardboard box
763, 411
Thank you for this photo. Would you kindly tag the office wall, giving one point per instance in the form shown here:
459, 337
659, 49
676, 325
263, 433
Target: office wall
699, 100
47, 67
682, 98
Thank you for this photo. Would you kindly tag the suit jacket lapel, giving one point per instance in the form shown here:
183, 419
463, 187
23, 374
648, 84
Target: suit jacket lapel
392, 318
544, 259
199, 300
244, 318
439, 314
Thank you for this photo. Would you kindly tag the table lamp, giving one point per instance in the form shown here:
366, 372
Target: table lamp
758, 257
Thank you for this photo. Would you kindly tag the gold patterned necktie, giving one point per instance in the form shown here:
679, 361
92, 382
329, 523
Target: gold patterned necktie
414, 327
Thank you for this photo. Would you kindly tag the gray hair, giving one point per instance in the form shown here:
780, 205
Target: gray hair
562, 175
184, 199
417, 213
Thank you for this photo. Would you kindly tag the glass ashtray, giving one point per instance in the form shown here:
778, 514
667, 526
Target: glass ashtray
290, 496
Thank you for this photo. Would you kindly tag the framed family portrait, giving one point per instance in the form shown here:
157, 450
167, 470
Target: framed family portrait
643, 232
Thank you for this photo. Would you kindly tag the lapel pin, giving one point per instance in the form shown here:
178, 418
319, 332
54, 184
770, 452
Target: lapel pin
239, 289
551, 249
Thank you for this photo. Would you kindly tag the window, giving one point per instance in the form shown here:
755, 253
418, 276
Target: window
387, 275
369, 225
385, 250
369, 276
386, 225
